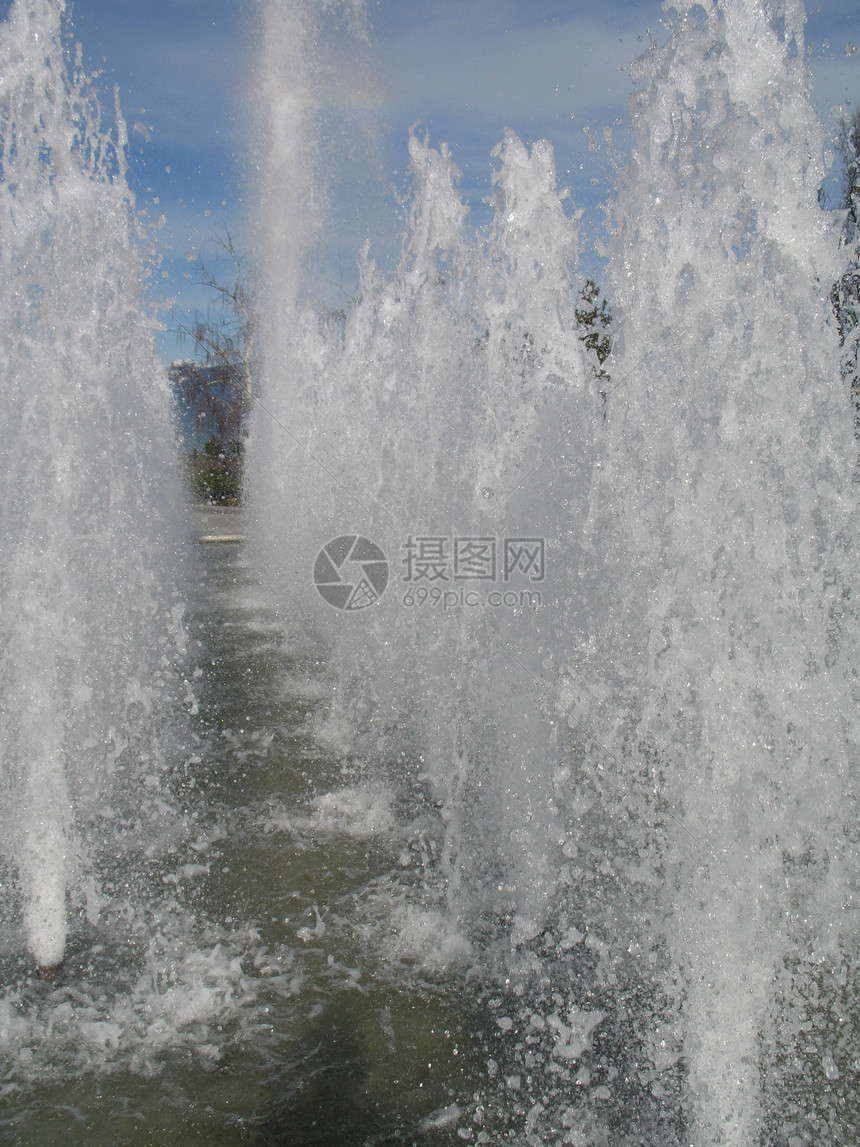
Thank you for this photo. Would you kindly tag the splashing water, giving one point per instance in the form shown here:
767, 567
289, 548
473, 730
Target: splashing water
91, 628
725, 500
622, 799
418, 418
665, 752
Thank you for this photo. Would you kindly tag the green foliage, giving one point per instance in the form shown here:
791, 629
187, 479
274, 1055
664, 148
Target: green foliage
215, 472
593, 317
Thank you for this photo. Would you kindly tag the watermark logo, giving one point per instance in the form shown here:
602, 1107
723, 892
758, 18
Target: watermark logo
445, 571
433, 558
464, 571
351, 572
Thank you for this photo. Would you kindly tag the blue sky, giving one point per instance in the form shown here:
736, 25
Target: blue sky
464, 69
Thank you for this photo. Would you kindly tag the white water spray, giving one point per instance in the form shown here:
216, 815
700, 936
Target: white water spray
699, 652
725, 520
89, 499
418, 418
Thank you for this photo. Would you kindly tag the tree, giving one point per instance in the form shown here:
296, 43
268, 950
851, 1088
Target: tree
845, 294
213, 389
215, 472
593, 317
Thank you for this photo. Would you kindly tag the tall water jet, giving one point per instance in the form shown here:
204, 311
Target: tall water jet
91, 625
643, 790
412, 424
724, 518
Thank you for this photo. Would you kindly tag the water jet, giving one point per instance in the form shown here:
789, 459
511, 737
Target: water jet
90, 500
569, 856
635, 762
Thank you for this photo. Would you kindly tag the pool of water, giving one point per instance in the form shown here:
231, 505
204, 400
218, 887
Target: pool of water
287, 971
287, 975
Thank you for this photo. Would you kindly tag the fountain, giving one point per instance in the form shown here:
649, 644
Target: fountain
502, 787
724, 517
91, 629
679, 712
